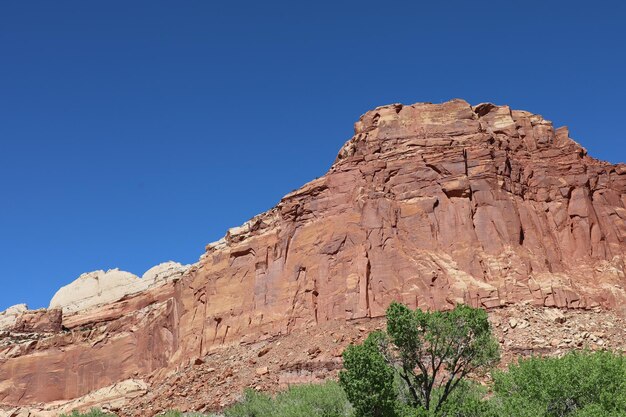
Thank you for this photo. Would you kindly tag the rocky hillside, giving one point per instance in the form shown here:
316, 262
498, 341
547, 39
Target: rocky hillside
429, 204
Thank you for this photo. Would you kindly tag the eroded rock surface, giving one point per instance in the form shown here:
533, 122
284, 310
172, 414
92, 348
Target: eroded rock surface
39, 321
428, 204
97, 288
431, 205
9, 316
108, 399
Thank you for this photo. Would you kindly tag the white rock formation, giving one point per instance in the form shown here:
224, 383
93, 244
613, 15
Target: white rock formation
9, 316
162, 273
97, 288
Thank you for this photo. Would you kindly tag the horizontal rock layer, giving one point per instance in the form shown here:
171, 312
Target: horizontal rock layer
428, 204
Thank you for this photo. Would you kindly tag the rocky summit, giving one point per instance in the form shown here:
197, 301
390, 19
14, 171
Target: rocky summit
428, 204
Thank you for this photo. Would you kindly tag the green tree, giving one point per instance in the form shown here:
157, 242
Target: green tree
431, 353
367, 379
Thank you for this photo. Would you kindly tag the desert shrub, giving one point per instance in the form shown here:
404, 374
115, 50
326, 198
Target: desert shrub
176, 413
580, 384
323, 400
94, 412
171, 413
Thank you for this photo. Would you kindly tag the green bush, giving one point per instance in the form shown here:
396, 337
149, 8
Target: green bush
367, 378
171, 413
176, 413
94, 412
467, 400
580, 384
323, 400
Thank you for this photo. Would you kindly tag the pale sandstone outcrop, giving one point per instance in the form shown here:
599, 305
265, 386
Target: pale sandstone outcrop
162, 273
93, 289
9, 316
97, 288
428, 204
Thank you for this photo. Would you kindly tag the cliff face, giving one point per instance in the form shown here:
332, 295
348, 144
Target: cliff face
429, 204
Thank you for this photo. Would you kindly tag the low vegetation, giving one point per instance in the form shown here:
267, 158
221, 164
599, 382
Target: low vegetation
176, 413
419, 367
94, 412
580, 384
323, 400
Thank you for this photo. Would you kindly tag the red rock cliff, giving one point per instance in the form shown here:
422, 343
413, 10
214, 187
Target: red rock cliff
429, 204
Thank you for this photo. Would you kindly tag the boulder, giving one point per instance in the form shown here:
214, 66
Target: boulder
39, 321
9, 317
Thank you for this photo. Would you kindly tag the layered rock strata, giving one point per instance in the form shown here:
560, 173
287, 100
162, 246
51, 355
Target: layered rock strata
428, 204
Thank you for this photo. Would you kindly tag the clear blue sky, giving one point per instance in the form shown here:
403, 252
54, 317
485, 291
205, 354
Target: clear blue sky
135, 132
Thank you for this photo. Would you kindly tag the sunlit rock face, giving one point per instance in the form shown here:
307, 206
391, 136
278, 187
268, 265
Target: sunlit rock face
9, 316
428, 204
97, 288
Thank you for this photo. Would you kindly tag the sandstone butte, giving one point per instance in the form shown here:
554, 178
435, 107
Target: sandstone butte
428, 204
